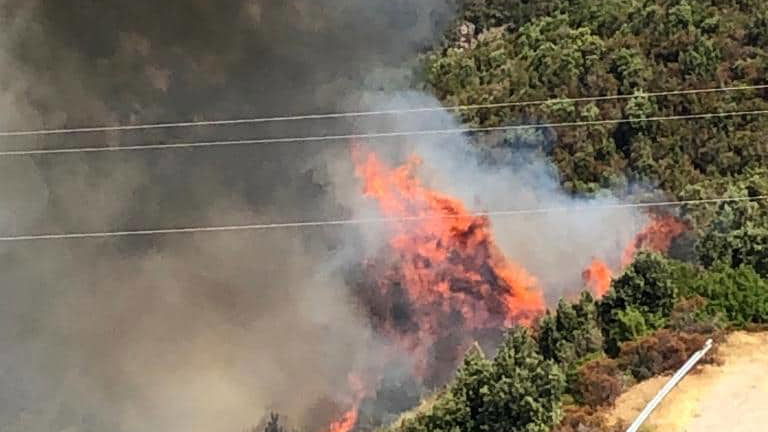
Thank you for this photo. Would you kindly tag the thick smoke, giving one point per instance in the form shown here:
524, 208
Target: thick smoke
202, 332
209, 331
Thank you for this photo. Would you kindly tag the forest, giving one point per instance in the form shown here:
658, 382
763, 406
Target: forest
581, 356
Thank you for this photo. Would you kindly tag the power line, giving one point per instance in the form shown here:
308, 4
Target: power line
366, 113
375, 135
366, 221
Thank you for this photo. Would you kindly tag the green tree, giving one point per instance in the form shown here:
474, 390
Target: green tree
572, 332
757, 29
641, 299
271, 424
471, 388
648, 284
738, 236
487, 14
731, 233
741, 295
582, 48
526, 389
518, 391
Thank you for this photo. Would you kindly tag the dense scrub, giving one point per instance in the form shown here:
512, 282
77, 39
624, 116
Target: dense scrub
538, 50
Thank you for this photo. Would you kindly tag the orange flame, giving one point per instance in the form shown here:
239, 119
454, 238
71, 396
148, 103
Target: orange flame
446, 261
348, 419
657, 236
598, 277
346, 422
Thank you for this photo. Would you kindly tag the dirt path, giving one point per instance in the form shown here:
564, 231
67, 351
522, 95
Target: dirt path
731, 397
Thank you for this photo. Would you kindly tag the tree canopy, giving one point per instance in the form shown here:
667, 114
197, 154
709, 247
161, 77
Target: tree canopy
585, 48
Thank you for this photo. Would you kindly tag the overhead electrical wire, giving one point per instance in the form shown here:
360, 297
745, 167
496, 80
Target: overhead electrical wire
452, 131
107, 128
365, 221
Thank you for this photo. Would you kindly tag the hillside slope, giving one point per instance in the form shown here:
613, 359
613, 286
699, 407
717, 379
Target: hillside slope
731, 396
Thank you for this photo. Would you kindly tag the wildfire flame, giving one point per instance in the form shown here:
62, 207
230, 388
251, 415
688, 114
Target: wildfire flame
657, 236
598, 277
445, 265
348, 419
346, 422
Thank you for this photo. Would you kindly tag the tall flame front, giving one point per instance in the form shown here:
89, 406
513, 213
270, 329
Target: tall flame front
444, 266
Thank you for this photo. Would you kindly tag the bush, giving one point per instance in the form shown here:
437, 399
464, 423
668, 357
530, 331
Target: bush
633, 324
585, 419
691, 315
599, 383
661, 352
740, 295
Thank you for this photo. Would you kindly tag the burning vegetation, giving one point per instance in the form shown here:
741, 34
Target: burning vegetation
441, 282
657, 236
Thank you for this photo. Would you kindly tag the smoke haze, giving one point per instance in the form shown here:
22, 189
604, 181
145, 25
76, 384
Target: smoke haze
208, 332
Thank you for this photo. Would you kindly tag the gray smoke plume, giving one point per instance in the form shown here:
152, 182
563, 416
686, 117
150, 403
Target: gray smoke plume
209, 331
197, 332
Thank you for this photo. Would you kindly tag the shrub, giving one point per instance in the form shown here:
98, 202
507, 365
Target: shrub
585, 419
690, 315
740, 295
599, 383
658, 353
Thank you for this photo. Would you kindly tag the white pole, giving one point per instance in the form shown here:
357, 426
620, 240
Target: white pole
669, 386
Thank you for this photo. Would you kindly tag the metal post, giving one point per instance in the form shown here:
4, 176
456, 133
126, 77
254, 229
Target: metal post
669, 386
